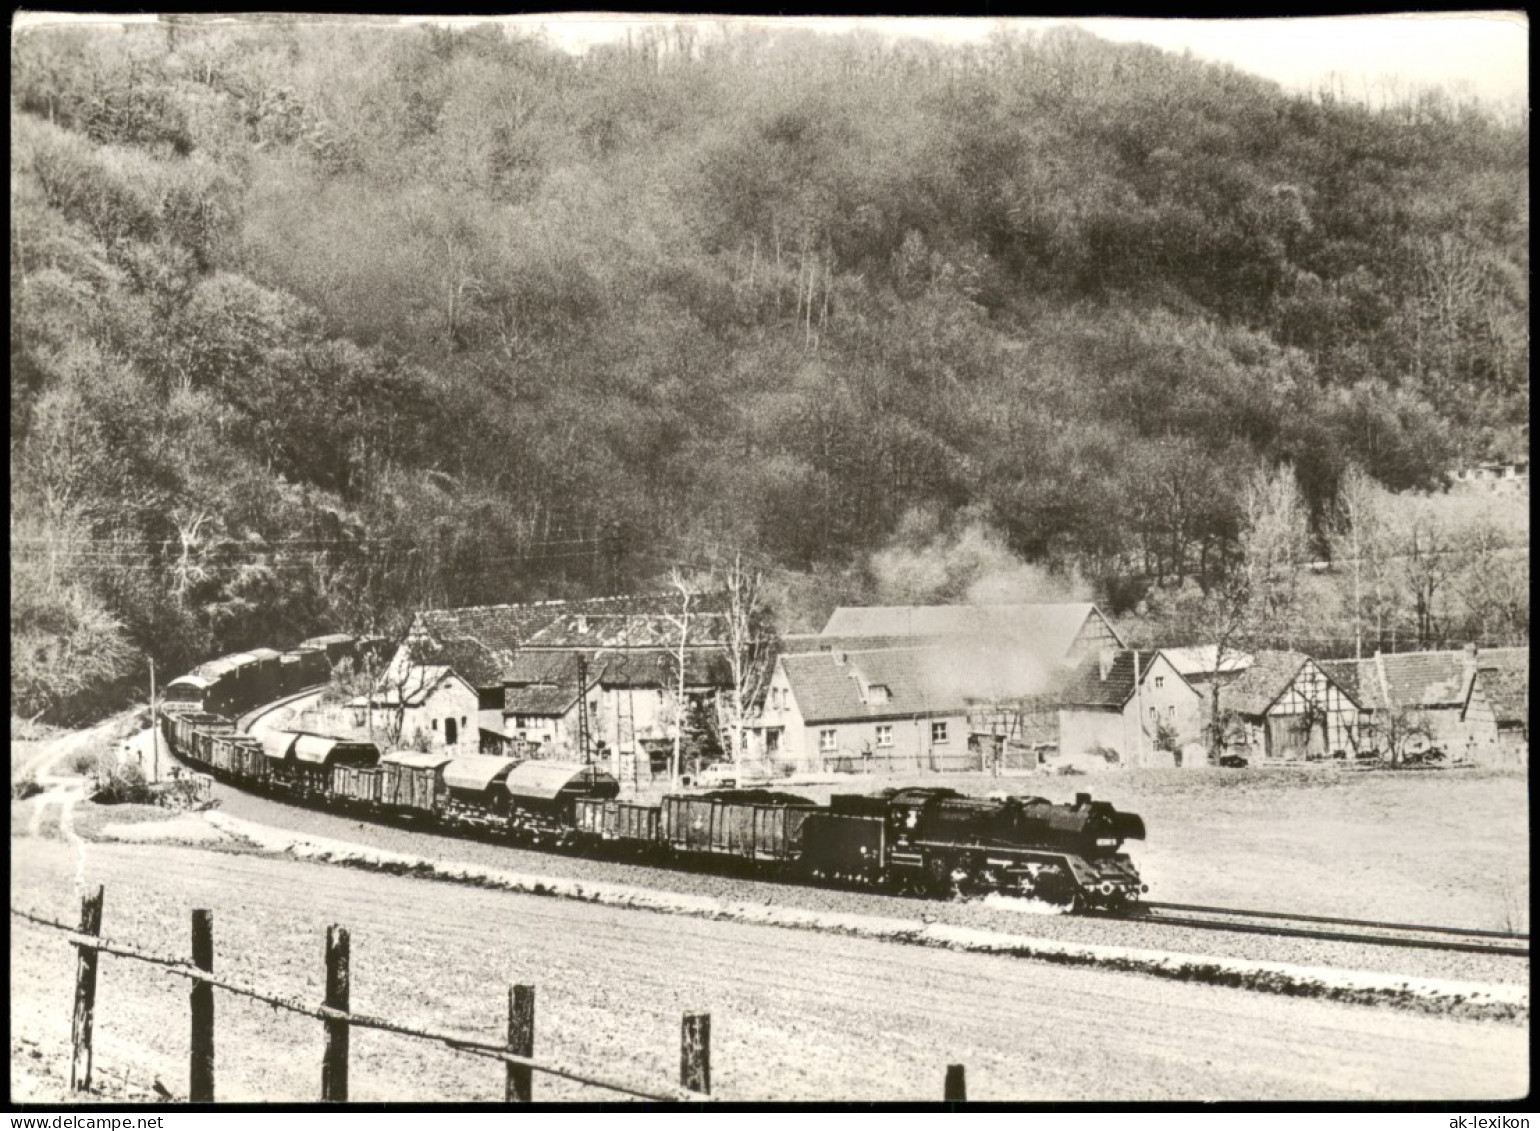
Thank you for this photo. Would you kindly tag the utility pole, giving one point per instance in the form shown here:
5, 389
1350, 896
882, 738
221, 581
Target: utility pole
154, 722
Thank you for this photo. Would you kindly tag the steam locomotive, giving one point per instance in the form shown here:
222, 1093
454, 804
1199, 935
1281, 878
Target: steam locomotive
923, 840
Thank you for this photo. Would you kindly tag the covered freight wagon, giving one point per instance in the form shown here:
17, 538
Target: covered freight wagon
337, 646
302, 668
550, 791
476, 784
307, 762
755, 824
263, 677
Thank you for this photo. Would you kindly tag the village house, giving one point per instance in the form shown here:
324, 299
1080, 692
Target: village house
1130, 708
1285, 707
422, 705
861, 712
1006, 662
523, 663
1470, 705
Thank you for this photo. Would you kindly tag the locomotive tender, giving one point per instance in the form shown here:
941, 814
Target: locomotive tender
935, 841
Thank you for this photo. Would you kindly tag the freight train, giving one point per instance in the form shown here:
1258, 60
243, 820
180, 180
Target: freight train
932, 841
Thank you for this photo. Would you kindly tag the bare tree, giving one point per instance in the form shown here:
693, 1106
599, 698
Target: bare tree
748, 642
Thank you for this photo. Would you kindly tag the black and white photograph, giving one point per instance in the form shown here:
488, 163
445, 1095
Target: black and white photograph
680, 560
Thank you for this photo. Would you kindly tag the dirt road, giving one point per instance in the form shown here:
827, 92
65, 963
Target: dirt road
794, 1017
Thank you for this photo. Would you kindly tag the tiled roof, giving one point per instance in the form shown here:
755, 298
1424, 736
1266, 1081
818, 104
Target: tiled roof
1087, 688
826, 690
477, 664
541, 700
1266, 679
1426, 679
1051, 629
642, 668
1354, 678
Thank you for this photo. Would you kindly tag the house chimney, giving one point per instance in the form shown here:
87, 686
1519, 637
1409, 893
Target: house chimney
1470, 652
1107, 656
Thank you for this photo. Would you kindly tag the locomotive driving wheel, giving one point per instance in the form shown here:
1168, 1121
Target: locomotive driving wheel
938, 875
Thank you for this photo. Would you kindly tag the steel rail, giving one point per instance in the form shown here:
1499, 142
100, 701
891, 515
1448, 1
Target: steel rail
1199, 909
1277, 931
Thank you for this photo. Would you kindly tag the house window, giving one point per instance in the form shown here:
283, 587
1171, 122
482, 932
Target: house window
1154, 712
451, 733
773, 740
435, 724
826, 741
938, 732
1160, 681
877, 693
1171, 712
885, 734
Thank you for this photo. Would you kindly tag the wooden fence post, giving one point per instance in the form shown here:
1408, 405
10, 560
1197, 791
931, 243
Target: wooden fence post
519, 1084
334, 1065
85, 994
200, 1069
695, 1053
956, 1085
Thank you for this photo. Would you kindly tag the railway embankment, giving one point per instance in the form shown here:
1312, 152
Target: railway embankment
1505, 1001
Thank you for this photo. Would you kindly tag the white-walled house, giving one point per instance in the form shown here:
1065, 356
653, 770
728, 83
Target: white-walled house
861, 711
433, 706
1134, 706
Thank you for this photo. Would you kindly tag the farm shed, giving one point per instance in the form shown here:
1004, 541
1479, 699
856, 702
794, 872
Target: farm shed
1289, 709
1473, 703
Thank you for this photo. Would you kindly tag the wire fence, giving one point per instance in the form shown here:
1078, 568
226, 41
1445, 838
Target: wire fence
515, 1053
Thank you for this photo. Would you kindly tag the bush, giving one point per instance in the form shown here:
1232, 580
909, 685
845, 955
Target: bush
23, 788
122, 785
84, 762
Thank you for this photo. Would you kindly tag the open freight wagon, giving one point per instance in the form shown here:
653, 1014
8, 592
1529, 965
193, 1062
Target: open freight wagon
754, 824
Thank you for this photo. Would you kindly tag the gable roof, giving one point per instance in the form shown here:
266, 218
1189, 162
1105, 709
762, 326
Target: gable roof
819, 642
1086, 686
1260, 685
419, 681
826, 690
1052, 629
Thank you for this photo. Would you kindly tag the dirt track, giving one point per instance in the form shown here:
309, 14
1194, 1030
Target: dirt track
794, 1016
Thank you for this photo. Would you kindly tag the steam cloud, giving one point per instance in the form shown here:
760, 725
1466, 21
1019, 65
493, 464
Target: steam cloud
969, 563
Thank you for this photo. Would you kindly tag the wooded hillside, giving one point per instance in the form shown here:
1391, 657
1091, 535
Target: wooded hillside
314, 325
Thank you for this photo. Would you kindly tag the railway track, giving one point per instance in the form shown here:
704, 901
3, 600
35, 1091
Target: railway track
1372, 932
